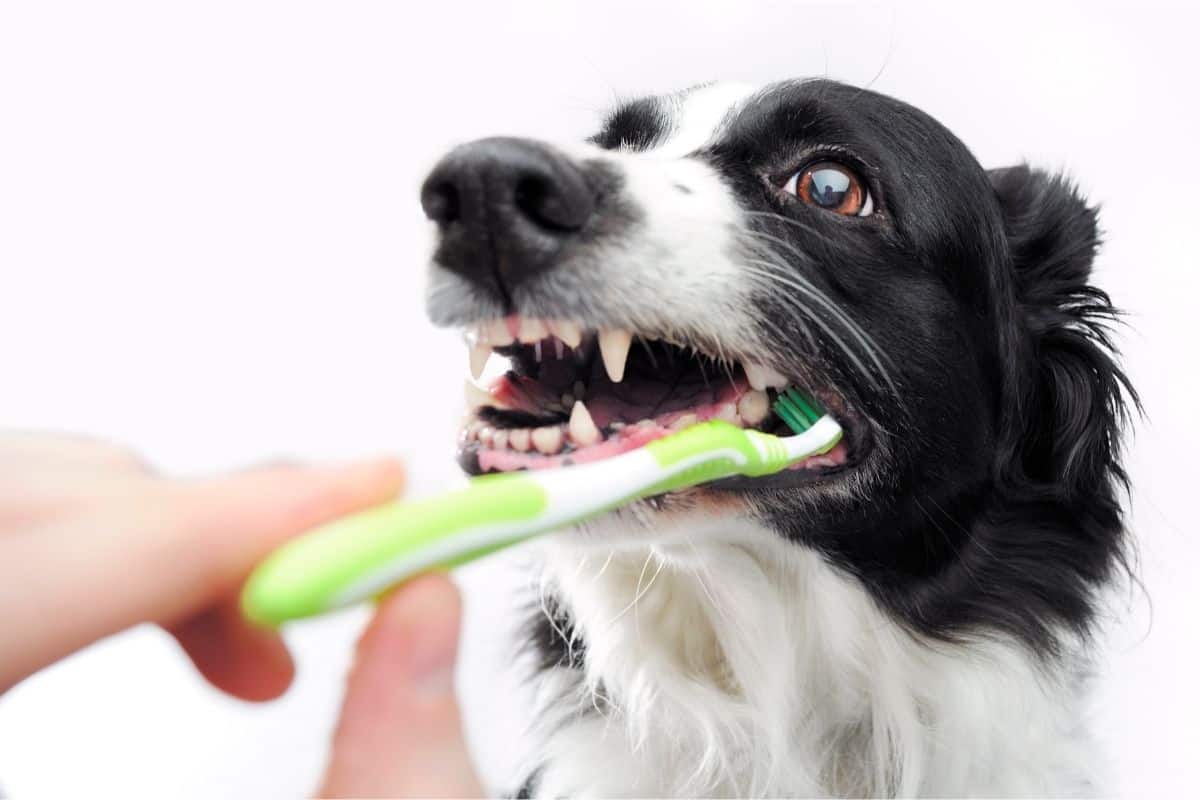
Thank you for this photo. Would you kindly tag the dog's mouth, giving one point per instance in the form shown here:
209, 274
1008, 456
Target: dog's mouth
572, 395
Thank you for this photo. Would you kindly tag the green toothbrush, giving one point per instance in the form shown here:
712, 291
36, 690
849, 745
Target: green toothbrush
360, 556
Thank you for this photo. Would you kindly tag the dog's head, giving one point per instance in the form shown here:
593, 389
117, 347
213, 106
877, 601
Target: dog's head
709, 247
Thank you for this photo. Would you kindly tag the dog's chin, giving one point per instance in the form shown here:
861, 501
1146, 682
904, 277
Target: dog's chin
571, 397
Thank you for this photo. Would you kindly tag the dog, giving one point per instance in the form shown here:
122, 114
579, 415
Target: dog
912, 613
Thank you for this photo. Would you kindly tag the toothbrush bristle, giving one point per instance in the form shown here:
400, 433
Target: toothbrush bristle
798, 411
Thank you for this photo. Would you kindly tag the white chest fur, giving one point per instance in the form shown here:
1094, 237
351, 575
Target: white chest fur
723, 660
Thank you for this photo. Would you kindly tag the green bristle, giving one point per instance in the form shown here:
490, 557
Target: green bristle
795, 423
790, 413
806, 405
796, 410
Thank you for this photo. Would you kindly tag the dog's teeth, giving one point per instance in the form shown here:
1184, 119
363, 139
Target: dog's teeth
476, 396
565, 330
485, 435
547, 441
581, 427
754, 375
500, 440
761, 376
727, 412
518, 439
683, 421
495, 333
480, 353
752, 407
531, 330
614, 349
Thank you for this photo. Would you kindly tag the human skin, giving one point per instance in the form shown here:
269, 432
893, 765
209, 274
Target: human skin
93, 541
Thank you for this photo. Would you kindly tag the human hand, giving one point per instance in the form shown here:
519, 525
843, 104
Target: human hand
93, 542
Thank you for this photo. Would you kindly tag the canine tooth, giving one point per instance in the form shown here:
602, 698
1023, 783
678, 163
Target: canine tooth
761, 376
485, 435
480, 353
476, 396
547, 441
531, 330
565, 330
616, 426
683, 421
752, 407
518, 439
728, 412
496, 333
614, 349
582, 428
500, 440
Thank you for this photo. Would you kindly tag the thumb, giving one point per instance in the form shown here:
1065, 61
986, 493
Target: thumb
400, 733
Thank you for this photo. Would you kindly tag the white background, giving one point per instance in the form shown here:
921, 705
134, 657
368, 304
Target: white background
211, 248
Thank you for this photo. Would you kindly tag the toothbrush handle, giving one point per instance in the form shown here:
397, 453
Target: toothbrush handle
360, 556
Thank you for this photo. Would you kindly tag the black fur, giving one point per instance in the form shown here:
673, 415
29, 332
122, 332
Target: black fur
969, 357
996, 504
995, 411
638, 125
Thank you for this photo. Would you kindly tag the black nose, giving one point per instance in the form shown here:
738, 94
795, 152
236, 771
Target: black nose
505, 208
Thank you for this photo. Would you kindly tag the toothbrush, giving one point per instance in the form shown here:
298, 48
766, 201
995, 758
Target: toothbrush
360, 556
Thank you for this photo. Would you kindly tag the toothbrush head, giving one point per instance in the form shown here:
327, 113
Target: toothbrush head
797, 410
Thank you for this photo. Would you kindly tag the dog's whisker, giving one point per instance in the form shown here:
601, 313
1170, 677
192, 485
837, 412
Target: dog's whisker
637, 618
771, 253
903, 619
799, 284
822, 324
637, 595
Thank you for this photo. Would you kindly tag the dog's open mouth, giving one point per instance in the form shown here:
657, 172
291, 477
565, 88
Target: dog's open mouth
571, 396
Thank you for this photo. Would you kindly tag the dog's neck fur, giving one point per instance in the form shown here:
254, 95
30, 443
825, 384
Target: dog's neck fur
723, 660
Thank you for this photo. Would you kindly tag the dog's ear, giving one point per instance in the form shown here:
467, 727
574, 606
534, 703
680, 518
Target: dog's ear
1073, 409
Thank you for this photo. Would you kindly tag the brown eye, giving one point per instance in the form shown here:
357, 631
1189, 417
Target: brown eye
832, 187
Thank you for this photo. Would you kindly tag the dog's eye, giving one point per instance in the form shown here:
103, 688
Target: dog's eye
832, 187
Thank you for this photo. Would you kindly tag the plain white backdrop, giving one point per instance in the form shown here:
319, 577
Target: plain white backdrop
211, 249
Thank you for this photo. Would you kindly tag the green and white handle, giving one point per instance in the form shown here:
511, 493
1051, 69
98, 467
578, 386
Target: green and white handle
361, 556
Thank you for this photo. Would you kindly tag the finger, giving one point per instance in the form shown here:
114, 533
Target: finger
400, 733
235, 656
33, 450
165, 553
231, 523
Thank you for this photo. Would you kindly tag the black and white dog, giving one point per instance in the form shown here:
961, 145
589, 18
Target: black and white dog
909, 614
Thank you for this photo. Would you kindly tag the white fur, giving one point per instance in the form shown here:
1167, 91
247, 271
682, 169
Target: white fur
720, 658
723, 660
678, 274
698, 115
